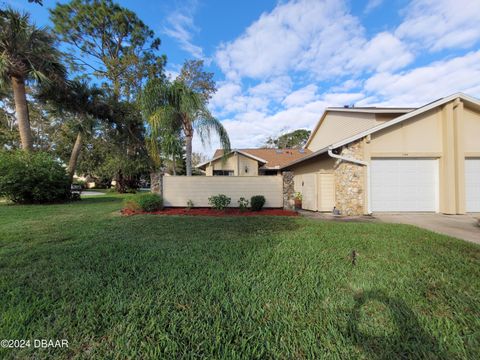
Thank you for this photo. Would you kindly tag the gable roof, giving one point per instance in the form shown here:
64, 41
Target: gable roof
466, 98
270, 158
418, 111
365, 110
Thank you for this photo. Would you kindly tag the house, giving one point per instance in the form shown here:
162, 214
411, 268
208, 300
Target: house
364, 160
251, 162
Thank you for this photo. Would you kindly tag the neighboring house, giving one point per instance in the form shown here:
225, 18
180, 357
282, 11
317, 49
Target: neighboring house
251, 162
364, 160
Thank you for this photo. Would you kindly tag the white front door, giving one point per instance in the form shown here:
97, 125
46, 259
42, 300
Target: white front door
404, 185
472, 185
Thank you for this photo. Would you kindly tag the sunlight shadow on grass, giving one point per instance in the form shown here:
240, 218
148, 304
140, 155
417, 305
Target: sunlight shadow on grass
409, 340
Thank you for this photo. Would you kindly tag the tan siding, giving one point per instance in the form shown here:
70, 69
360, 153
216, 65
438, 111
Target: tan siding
229, 164
421, 134
381, 118
236, 163
471, 134
177, 190
338, 126
251, 164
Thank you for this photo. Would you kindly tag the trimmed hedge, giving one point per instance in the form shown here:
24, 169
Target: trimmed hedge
150, 202
257, 202
32, 178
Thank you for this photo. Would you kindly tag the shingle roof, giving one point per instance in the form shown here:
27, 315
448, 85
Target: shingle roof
274, 157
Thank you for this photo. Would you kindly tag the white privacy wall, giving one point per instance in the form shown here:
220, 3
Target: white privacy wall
177, 190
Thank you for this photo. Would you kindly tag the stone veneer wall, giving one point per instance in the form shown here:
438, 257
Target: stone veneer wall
288, 190
350, 181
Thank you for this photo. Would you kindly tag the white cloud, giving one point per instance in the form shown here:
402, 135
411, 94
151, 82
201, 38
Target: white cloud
383, 52
441, 24
318, 37
301, 96
275, 89
229, 98
371, 5
252, 128
180, 26
295, 35
424, 84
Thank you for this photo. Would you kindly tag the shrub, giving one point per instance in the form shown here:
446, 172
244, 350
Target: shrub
257, 202
190, 204
219, 202
131, 204
243, 204
30, 178
150, 202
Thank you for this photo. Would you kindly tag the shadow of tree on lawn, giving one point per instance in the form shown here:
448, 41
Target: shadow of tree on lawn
409, 340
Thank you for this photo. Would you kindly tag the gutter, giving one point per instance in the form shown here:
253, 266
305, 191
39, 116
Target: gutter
358, 162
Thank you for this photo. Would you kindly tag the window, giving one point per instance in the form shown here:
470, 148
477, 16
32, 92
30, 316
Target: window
222, 172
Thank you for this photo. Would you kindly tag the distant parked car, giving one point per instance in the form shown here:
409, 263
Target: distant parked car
76, 188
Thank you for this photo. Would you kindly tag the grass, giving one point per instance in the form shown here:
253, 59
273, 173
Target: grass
258, 287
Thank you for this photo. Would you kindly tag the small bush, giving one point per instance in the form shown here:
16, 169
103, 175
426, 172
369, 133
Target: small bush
150, 202
257, 202
190, 204
32, 178
219, 202
131, 205
243, 204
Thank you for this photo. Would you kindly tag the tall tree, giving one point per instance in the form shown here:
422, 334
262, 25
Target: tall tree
26, 53
195, 78
175, 105
86, 103
292, 140
110, 42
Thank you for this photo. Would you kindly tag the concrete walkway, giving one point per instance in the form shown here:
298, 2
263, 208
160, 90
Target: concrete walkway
459, 226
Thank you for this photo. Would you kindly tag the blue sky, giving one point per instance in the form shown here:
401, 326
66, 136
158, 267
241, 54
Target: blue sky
278, 64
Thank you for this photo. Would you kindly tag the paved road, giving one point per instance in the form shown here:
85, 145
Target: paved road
460, 226
92, 193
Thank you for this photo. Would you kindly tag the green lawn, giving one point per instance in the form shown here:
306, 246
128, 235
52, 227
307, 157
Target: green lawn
256, 287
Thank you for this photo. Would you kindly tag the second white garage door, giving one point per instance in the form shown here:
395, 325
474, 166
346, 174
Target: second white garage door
472, 185
404, 185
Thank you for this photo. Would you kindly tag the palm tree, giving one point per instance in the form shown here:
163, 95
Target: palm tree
84, 103
172, 106
26, 53
172, 148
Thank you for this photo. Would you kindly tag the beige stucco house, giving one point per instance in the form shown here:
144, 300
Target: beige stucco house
364, 160
251, 162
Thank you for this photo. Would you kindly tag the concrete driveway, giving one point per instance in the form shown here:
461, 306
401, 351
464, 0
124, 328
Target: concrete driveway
460, 226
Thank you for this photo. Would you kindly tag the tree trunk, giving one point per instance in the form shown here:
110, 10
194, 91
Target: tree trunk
174, 165
21, 108
72, 163
188, 154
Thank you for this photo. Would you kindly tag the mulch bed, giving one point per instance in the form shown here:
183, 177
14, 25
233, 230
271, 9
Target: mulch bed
212, 212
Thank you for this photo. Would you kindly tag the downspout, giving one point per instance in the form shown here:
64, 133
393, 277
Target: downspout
358, 162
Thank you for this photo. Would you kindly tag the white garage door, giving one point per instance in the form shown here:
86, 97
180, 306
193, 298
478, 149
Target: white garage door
404, 184
472, 185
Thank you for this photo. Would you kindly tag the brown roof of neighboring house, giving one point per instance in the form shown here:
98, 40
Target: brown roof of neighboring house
274, 158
